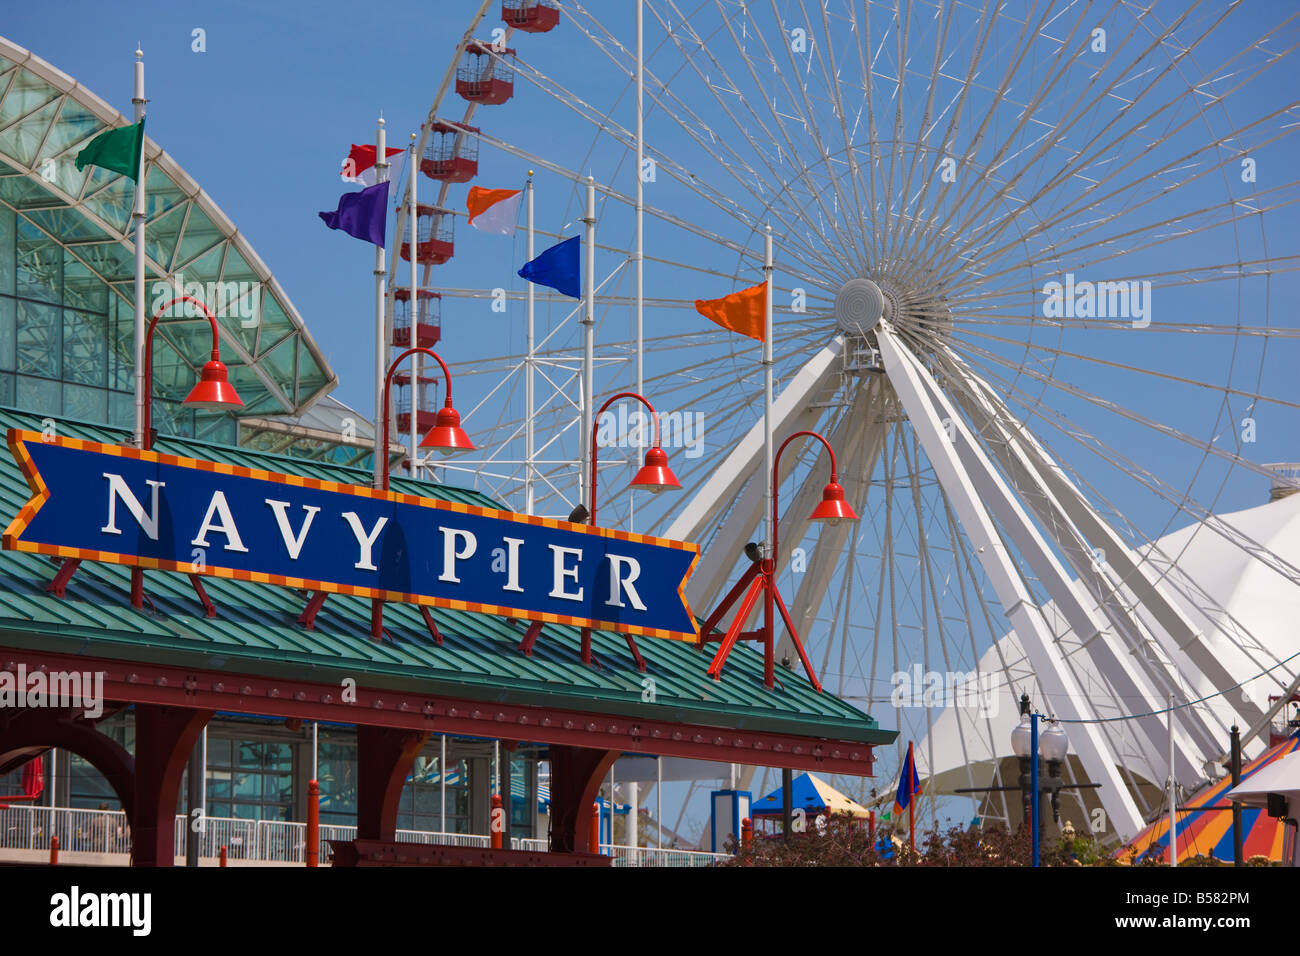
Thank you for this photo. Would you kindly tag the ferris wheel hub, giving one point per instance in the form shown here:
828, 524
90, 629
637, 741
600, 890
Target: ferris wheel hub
859, 306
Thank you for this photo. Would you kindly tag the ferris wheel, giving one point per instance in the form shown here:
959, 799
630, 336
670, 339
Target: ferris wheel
1034, 266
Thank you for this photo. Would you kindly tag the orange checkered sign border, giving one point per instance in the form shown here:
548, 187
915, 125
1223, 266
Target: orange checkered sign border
117, 504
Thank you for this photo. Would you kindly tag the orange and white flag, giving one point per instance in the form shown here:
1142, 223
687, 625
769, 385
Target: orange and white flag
493, 210
741, 311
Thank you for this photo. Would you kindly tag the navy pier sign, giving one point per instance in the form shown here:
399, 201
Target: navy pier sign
117, 504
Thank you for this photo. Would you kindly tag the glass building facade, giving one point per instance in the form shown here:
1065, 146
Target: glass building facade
67, 270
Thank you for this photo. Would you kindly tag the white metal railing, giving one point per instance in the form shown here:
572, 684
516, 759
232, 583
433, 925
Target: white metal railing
265, 841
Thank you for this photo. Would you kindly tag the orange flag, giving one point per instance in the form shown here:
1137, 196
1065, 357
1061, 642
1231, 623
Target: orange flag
741, 311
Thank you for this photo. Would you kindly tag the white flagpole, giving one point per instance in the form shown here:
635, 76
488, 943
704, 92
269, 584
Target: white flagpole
381, 340
530, 450
640, 189
589, 338
640, 236
139, 101
416, 364
766, 477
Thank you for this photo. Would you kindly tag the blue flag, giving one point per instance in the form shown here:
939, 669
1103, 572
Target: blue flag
559, 267
362, 215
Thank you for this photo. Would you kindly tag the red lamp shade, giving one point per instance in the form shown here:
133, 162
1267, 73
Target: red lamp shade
214, 393
833, 508
655, 476
446, 435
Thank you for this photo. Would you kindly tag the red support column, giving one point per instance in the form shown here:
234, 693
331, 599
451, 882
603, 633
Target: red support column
497, 822
312, 849
384, 759
576, 773
164, 739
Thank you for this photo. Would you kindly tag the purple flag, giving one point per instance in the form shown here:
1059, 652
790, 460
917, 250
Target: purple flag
362, 215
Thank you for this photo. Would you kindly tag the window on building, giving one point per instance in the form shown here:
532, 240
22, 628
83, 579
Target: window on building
337, 770
250, 779
421, 804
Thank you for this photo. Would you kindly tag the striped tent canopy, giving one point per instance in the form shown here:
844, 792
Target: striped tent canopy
1208, 831
811, 794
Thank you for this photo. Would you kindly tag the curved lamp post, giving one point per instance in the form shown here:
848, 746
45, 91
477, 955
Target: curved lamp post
213, 391
761, 576
653, 476
446, 435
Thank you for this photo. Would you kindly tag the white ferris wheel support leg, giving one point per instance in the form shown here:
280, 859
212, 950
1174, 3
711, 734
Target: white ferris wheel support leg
1207, 674
1090, 628
1025, 461
793, 411
1065, 696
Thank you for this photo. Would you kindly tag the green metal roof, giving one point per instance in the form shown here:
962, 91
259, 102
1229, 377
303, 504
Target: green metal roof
256, 632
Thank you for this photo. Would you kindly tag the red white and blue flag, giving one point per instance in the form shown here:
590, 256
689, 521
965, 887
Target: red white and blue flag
359, 167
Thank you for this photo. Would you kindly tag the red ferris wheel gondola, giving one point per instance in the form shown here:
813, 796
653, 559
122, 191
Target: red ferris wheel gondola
435, 236
452, 153
530, 16
486, 73
427, 318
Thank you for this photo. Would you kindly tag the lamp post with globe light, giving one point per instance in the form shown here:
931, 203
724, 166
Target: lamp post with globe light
1029, 747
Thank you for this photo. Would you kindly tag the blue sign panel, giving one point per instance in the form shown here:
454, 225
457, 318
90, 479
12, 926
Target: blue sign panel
117, 504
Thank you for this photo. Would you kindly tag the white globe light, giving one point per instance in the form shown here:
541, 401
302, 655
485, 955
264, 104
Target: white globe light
1053, 744
1022, 738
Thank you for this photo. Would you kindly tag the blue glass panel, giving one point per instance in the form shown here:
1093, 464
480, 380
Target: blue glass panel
6, 250
84, 403
38, 395
40, 264
7, 334
85, 348
38, 332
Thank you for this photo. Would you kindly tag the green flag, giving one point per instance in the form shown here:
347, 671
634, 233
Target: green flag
115, 149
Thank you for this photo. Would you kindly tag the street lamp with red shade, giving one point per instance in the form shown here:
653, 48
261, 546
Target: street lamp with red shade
446, 436
761, 577
653, 476
213, 393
